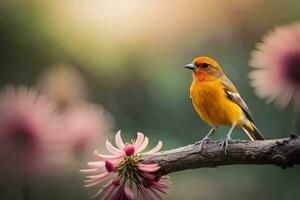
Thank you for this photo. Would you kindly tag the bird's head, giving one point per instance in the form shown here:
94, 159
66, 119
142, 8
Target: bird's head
205, 68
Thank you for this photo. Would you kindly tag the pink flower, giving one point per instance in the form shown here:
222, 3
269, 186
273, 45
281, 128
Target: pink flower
64, 85
277, 65
122, 150
123, 166
30, 132
85, 123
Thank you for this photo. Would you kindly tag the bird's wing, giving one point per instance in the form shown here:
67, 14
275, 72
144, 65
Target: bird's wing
234, 96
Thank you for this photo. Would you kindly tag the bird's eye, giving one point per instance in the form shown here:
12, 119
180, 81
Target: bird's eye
204, 65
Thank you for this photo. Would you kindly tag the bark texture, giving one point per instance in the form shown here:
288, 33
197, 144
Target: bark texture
282, 152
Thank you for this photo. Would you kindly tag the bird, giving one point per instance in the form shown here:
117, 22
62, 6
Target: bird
217, 101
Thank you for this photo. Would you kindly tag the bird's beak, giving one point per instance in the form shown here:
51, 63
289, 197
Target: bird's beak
191, 66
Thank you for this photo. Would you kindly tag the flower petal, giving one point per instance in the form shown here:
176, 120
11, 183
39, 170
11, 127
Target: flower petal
119, 141
105, 188
155, 149
91, 171
139, 140
162, 185
97, 164
94, 177
113, 149
148, 167
148, 175
100, 179
164, 178
109, 193
106, 157
159, 189
146, 193
144, 145
155, 193
118, 194
128, 192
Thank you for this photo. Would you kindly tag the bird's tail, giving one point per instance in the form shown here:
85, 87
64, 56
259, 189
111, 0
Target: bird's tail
252, 131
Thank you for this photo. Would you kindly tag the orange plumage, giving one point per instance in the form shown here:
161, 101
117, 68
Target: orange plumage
217, 101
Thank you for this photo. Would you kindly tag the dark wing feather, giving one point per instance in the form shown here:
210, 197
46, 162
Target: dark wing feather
234, 96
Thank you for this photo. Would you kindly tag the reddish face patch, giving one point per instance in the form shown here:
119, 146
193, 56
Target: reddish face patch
201, 74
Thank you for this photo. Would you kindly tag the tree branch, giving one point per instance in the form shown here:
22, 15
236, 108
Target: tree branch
282, 152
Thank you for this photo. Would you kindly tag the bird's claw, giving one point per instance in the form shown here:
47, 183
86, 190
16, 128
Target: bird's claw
202, 142
225, 142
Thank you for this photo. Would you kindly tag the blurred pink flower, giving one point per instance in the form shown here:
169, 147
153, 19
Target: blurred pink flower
125, 167
64, 85
85, 123
277, 65
30, 133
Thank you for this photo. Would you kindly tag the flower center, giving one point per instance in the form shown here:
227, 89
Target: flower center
129, 170
129, 150
292, 71
22, 139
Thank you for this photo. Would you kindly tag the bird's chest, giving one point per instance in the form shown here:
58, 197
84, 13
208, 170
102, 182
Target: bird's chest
210, 101
208, 94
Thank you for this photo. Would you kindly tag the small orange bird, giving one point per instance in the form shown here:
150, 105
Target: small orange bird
217, 101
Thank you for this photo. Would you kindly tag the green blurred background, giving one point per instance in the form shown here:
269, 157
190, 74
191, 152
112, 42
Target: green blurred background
132, 53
